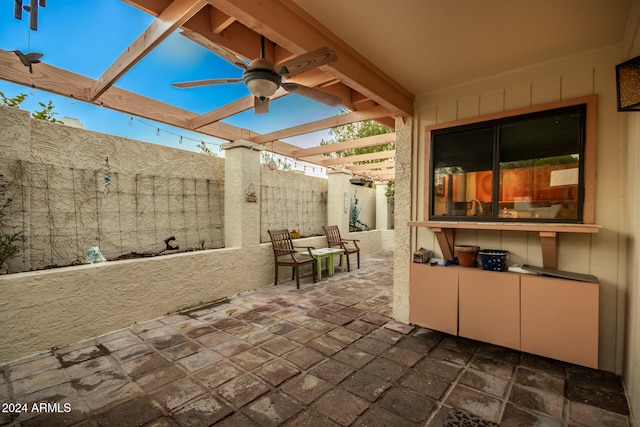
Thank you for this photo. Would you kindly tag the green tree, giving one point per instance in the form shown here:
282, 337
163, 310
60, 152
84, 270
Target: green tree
46, 113
12, 102
362, 130
356, 131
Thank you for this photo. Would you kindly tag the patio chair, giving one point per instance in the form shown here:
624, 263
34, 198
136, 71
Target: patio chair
334, 240
285, 254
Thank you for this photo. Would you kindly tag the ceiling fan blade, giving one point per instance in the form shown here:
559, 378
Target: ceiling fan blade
207, 82
306, 61
260, 106
311, 93
215, 48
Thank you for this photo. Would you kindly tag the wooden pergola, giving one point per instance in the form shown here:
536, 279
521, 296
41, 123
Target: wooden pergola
237, 26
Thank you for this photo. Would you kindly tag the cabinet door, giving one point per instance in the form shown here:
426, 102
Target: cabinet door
433, 297
560, 319
490, 307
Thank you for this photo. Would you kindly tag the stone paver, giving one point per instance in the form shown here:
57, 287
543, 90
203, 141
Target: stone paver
327, 354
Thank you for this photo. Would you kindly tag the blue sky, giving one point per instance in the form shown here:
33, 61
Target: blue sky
86, 36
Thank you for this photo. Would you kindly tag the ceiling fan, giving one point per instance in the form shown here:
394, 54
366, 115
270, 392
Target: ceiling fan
263, 78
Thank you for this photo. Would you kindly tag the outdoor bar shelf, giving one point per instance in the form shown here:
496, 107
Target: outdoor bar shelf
444, 231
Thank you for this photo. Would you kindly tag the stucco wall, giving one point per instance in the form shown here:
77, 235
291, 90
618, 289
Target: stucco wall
44, 309
73, 189
293, 201
366, 203
602, 254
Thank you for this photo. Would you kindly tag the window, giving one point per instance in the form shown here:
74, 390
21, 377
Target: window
528, 167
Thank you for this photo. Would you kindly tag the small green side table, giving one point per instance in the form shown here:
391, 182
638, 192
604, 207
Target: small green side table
328, 254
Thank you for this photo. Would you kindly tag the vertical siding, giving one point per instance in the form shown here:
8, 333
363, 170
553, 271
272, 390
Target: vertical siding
591, 254
632, 263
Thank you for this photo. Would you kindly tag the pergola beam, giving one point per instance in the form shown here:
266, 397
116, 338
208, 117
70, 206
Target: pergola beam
176, 14
66, 83
228, 110
343, 119
360, 158
236, 26
384, 176
371, 166
369, 141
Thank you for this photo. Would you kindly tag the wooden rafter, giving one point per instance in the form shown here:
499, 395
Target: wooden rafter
360, 158
220, 21
237, 25
337, 147
379, 176
389, 176
291, 27
371, 166
295, 31
228, 110
176, 14
343, 119
65, 83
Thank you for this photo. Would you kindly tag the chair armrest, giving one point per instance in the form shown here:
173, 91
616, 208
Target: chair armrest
308, 248
353, 241
291, 251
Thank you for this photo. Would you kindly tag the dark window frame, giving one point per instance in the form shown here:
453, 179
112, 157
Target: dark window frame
586, 196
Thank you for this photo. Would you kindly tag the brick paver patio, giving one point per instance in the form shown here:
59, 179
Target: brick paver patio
328, 354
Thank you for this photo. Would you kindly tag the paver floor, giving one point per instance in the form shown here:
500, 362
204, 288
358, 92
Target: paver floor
328, 354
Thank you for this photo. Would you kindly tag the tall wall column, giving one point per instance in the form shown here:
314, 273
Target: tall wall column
402, 214
338, 199
242, 194
382, 208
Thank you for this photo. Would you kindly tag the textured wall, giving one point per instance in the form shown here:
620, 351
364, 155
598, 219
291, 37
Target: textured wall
50, 308
402, 214
73, 189
293, 201
366, 202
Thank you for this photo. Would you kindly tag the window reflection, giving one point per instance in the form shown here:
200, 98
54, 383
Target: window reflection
540, 189
462, 193
533, 160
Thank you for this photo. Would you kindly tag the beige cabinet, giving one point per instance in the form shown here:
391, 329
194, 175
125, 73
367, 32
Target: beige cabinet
489, 306
550, 317
433, 297
559, 319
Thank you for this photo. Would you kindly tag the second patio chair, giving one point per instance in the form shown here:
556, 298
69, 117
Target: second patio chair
334, 240
286, 255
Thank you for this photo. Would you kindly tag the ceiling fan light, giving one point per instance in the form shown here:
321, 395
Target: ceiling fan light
262, 84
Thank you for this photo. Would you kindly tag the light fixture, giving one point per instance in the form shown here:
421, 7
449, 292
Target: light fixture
260, 78
628, 85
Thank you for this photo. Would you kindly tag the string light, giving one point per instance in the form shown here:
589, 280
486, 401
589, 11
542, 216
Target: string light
282, 160
181, 138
